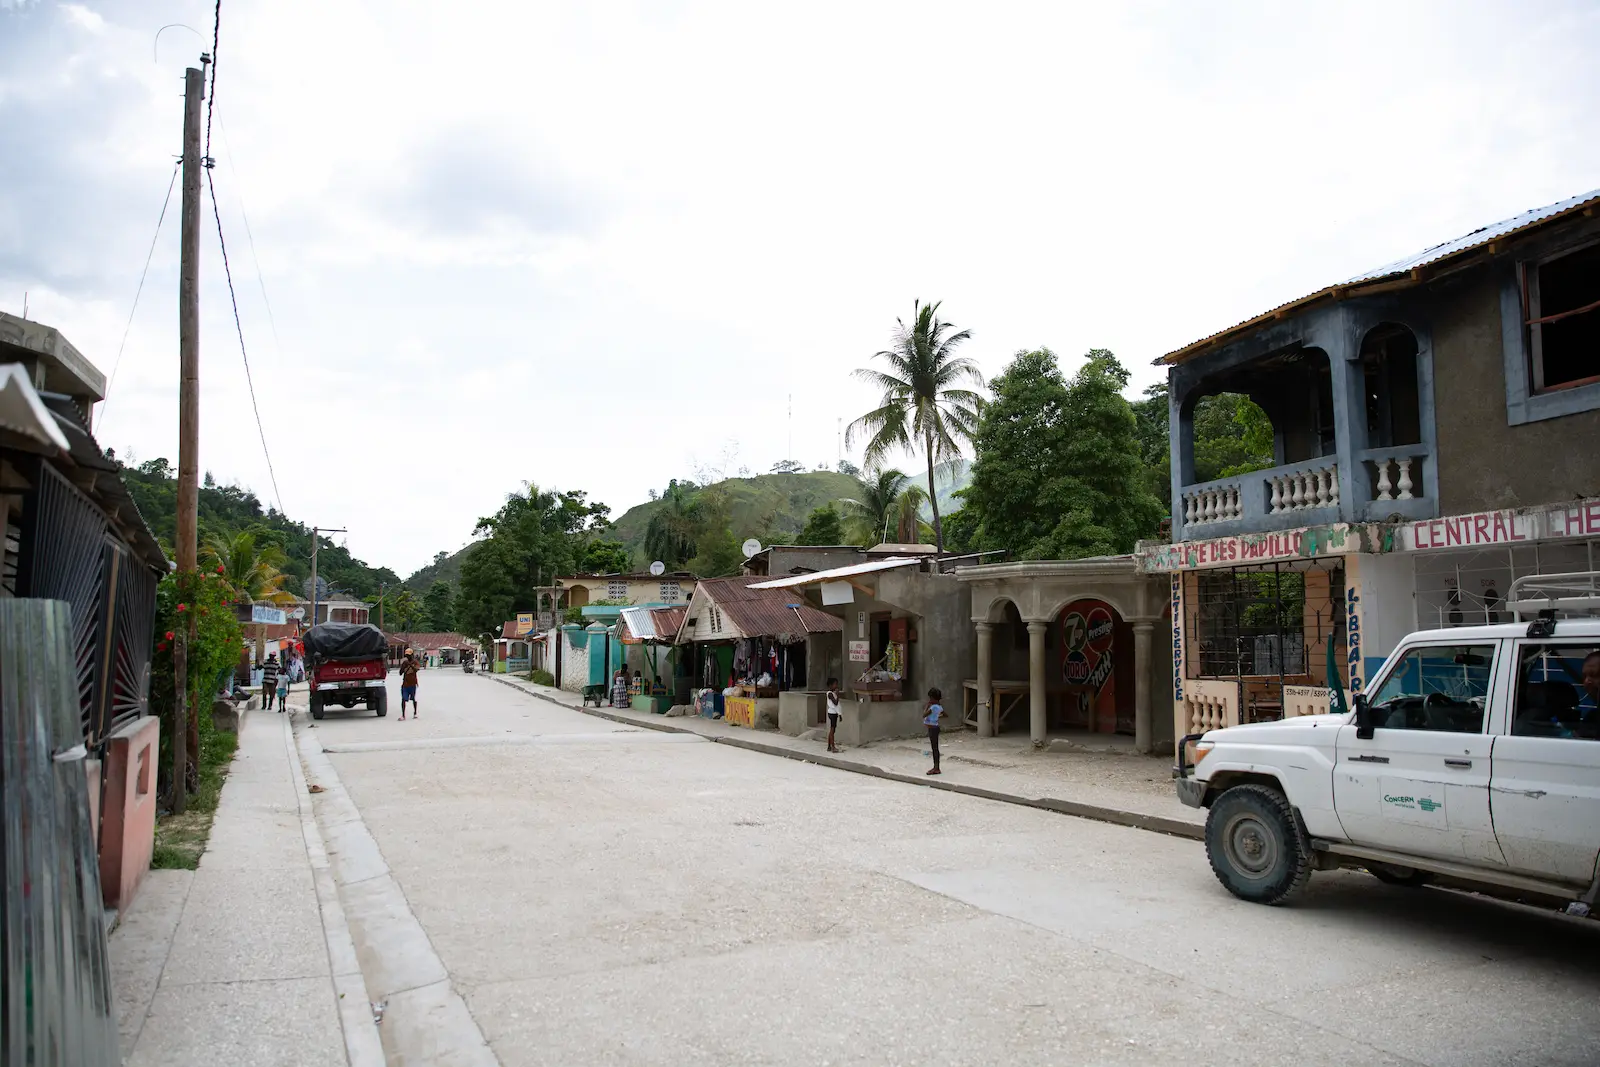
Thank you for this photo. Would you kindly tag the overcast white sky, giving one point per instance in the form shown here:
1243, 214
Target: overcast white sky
598, 245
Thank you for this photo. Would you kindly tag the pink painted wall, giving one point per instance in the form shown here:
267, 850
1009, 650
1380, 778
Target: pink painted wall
129, 832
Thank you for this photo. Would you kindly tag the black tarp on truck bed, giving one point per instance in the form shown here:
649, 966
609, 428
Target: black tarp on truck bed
345, 642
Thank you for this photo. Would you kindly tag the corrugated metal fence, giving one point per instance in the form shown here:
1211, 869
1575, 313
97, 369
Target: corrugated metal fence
55, 981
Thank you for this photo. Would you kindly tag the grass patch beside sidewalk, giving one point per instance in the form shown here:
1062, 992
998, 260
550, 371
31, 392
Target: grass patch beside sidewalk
180, 839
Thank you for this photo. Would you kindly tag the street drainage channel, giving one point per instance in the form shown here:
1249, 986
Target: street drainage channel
613, 737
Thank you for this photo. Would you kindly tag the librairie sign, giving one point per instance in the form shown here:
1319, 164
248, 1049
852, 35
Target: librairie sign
268, 615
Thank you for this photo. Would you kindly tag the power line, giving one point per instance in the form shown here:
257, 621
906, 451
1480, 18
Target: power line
249, 379
211, 97
136, 293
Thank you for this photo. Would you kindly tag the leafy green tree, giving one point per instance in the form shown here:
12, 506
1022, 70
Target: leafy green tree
925, 403
1059, 474
823, 527
439, 607
670, 535
536, 535
604, 557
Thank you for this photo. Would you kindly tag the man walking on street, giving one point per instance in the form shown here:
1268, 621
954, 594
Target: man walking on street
269, 682
408, 685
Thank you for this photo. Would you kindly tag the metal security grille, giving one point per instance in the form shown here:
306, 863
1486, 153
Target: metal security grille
63, 542
132, 624
1268, 627
69, 552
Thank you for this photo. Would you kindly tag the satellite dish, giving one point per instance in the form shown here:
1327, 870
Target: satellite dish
658, 568
298, 613
322, 588
751, 547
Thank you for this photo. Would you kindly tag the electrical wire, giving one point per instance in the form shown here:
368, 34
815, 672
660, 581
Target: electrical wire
227, 271
117, 363
211, 97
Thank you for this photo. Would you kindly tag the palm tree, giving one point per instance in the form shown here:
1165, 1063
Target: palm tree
867, 514
887, 507
252, 572
924, 403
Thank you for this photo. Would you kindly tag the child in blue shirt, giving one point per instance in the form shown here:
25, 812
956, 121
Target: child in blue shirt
934, 711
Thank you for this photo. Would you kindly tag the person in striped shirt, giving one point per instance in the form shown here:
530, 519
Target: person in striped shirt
269, 682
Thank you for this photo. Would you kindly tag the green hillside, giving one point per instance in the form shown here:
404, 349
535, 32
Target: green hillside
772, 508
445, 565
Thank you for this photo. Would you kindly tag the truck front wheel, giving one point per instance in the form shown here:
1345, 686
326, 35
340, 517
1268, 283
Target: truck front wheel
1255, 846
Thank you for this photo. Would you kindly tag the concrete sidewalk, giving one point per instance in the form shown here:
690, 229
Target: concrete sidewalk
1115, 787
247, 960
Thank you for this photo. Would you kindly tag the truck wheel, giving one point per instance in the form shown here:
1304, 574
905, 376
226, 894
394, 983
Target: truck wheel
316, 707
379, 702
1254, 845
1409, 877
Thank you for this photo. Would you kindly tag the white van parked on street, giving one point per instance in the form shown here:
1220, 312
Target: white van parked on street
1474, 756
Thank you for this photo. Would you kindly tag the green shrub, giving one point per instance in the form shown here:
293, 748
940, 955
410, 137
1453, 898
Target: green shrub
542, 677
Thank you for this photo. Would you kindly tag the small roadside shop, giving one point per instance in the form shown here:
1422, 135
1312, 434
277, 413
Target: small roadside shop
903, 629
746, 646
649, 638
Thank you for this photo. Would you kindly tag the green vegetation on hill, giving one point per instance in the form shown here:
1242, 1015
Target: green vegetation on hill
701, 528
226, 510
772, 508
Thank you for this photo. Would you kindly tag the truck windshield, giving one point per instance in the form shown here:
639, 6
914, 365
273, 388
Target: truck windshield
1442, 687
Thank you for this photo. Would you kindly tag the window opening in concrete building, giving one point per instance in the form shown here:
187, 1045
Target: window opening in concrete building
1389, 366
1294, 388
1267, 627
1562, 300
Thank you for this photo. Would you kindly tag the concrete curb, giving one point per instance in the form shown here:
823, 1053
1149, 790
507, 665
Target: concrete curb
425, 1019
1159, 824
362, 1045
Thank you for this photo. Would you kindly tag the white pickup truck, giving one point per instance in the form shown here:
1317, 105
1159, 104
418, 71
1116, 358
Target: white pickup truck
1475, 756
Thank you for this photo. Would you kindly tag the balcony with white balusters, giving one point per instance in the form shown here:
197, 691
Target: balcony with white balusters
1295, 494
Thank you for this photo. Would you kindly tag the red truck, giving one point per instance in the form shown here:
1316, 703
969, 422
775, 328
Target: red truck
347, 667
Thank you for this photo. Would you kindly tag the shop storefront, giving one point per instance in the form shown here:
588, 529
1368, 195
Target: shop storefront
747, 647
1259, 620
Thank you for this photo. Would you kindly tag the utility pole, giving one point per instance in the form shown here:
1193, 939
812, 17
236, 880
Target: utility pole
316, 539
194, 81
380, 604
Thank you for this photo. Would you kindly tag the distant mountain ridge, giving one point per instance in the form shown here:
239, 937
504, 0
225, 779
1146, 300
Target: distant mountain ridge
771, 508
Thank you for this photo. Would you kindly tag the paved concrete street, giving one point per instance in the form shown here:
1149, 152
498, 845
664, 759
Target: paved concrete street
601, 894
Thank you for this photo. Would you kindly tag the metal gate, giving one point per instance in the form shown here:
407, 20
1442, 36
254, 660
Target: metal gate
1268, 628
69, 552
55, 983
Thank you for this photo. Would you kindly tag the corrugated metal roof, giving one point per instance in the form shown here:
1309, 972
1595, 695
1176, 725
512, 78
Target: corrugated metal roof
669, 621
432, 641
1402, 267
765, 612
838, 573
653, 624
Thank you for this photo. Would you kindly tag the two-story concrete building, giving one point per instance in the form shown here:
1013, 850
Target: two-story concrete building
1436, 427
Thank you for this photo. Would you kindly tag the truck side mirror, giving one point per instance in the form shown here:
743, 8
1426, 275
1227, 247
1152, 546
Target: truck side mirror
1366, 718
